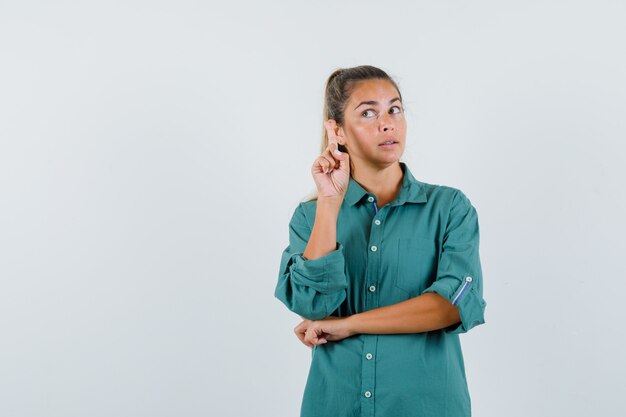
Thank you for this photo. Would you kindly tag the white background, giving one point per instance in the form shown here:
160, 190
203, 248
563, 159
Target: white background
153, 152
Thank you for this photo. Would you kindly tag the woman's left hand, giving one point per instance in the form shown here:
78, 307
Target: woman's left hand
317, 332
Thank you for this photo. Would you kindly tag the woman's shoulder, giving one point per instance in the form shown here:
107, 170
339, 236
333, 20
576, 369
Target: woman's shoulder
303, 212
435, 192
438, 193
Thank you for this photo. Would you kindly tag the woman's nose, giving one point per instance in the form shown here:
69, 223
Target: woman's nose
386, 122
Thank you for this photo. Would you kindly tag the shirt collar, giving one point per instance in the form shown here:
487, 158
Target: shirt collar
412, 190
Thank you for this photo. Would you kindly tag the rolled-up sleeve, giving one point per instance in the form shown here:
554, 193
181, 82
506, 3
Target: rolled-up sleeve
312, 288
459, 274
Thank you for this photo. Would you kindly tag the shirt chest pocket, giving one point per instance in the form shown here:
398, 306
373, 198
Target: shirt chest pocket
416, 264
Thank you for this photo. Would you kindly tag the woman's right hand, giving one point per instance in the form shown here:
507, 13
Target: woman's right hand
331, 170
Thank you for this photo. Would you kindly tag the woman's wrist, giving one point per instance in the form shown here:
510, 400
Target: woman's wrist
352, 324
323, 239
328, 207
331, 201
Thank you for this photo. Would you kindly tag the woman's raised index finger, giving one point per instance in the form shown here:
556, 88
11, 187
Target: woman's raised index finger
330, 125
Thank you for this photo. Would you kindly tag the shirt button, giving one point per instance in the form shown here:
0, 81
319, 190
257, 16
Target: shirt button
468, 279
369, 356
374, 248
368, 394
372, 288
370, 199
377, 222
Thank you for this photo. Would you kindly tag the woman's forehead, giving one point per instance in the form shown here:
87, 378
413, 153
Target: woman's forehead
369, 91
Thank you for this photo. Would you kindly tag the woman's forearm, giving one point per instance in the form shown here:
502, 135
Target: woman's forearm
423, 313
323, 239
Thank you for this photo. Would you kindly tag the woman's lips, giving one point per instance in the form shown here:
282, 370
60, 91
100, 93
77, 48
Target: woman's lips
390, 146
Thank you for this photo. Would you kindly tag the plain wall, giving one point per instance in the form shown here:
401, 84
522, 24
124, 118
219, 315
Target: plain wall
153, 152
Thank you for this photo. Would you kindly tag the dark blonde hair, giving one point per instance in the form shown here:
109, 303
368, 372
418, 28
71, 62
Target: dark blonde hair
339, 87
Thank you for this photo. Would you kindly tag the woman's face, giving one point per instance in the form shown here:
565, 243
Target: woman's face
374, 115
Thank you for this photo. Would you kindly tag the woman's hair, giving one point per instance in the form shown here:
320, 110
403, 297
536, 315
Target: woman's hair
339, 86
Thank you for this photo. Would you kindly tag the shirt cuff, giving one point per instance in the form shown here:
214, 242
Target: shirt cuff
325, 274
465, 297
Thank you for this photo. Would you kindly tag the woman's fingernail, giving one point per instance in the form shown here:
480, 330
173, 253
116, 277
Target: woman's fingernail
337, 152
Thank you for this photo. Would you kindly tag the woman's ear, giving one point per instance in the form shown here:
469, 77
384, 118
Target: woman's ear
341, 140
341, 136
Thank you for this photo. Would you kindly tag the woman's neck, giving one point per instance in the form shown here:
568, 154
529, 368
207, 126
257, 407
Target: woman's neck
384, 183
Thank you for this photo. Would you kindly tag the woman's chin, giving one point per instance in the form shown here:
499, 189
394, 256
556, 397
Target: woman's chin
391, 156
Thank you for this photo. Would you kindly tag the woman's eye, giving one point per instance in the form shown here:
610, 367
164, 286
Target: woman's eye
398, 109
365, 112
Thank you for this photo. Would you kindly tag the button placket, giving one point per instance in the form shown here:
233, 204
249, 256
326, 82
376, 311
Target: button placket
368, 380
370, 341
374, 263
374, 206
368, 374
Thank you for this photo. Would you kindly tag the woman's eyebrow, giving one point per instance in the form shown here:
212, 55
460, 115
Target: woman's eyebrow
375, 102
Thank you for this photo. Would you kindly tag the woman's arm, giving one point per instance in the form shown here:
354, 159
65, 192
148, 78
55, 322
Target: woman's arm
426, 312
312, 281
323, 238
423, 313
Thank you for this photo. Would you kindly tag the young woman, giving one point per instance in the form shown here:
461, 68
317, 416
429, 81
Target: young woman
383, 269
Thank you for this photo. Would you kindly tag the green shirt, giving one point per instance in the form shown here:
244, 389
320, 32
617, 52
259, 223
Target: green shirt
426, 240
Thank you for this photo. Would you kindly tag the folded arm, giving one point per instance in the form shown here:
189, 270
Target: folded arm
423, 313
312, 281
